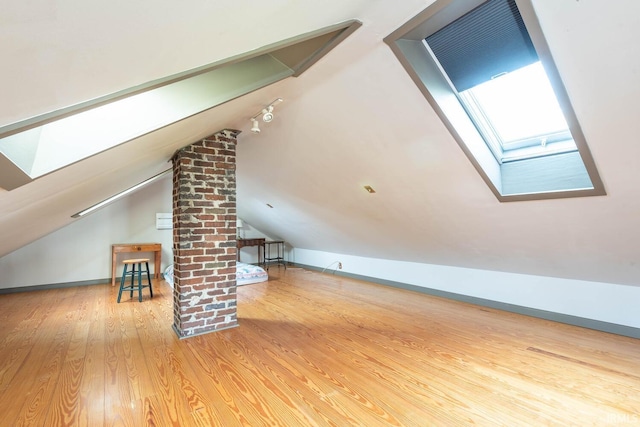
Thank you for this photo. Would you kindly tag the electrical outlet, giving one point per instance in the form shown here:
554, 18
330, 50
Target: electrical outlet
339, 266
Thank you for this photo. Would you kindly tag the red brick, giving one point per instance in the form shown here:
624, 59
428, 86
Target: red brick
190, 325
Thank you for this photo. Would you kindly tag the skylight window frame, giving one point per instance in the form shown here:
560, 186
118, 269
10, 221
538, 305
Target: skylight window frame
521, 149
483, 123
548, 181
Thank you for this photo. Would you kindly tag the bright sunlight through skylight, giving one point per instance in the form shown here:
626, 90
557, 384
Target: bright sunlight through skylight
520, 105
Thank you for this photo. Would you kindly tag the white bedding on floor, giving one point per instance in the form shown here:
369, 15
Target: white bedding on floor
246, 274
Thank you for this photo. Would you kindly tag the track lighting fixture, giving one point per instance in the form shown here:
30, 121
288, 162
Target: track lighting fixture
255, 128
267, 116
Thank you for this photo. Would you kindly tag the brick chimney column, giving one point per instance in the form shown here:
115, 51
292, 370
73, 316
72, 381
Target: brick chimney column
204, 235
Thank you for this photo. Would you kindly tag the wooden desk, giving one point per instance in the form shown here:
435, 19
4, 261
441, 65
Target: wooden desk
119, 248
259, 242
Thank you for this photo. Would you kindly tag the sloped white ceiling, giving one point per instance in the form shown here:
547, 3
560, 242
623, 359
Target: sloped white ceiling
353, 119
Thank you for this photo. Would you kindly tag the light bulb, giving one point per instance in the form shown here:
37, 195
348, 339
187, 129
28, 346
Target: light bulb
268, 114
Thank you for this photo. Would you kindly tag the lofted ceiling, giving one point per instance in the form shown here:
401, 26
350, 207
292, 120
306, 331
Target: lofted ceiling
353, 119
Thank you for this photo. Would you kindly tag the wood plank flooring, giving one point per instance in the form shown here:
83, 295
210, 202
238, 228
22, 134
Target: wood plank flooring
312, 349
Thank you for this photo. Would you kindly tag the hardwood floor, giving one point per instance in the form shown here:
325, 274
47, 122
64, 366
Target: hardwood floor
311, 350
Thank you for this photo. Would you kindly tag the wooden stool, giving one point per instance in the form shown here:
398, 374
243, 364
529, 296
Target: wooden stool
132, 273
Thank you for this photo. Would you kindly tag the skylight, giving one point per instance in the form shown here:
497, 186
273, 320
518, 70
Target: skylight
500, 96
39, 145
519, 115
81, 135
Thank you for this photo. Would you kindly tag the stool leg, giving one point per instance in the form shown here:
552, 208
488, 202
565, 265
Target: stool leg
122, 282
149, 279
139, 282
133, 275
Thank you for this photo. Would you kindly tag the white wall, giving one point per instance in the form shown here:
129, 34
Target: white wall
599, 301
81, 251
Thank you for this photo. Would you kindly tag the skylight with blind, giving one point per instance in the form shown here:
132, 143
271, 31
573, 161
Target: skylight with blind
500, 95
